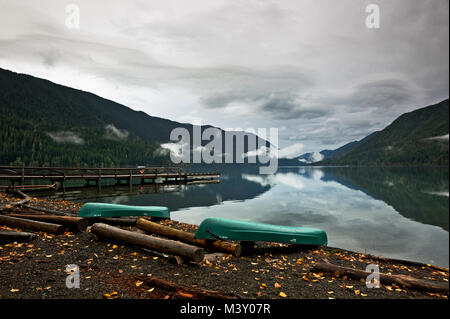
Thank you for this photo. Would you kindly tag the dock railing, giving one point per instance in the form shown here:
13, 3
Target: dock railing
61, 174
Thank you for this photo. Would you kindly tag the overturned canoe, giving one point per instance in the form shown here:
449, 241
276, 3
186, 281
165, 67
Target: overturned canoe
115, 210
227, 229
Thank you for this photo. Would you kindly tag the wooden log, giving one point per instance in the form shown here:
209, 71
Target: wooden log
25, 200
248, 244
118, 221
48, 211
7, 236
188, 252
31, 224
405, 262
406, 281
169, 232
195, 292
22, 210
75, 223
30, 187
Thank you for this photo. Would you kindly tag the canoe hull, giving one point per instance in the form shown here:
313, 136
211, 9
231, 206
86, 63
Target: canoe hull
227, 229
114, 210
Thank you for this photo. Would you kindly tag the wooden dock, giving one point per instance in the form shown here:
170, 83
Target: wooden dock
17, 175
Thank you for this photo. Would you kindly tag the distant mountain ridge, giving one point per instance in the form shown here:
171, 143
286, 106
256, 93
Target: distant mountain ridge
419, 137
314, 157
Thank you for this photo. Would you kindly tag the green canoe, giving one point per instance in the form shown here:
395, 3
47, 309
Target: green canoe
115, 210
227, 229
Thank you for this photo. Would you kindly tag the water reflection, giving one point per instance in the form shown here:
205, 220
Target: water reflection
232, 187
394, 212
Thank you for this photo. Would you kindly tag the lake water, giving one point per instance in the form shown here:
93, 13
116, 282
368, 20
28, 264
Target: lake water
392, 212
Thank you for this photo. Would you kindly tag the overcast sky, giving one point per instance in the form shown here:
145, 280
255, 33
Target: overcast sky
308, 67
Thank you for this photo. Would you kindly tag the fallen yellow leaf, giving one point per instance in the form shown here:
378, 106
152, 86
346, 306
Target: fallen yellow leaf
184, 294
114, 293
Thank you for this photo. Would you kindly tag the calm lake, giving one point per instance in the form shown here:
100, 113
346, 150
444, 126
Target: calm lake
392, 212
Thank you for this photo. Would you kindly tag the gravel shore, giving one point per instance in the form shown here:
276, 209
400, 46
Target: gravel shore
113, 270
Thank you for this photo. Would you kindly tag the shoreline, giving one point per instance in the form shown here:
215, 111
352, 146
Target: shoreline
110, 269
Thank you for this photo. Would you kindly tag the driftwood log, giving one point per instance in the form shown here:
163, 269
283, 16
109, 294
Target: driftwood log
74, 223
172, 247
406, 281
406, 262
115, 221
25, 200
22, 210
48, 211
196, 292
186, 237
7, 236
30, 187
31, 224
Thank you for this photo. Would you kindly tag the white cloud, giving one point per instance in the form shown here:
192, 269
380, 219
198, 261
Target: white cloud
115, 134
317, 157
174, 149
312, 158
443, 138
445, 194
288, 152
288, 179
291, 151
65, 137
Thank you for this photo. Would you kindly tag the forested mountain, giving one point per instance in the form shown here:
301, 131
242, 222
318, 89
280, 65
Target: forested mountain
43, 123
419, 137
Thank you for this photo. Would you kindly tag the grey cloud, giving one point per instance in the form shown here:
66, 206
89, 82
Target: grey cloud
358, 110
334, 133
279, 105
383, 94
310, 66
50, 57
276, 91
